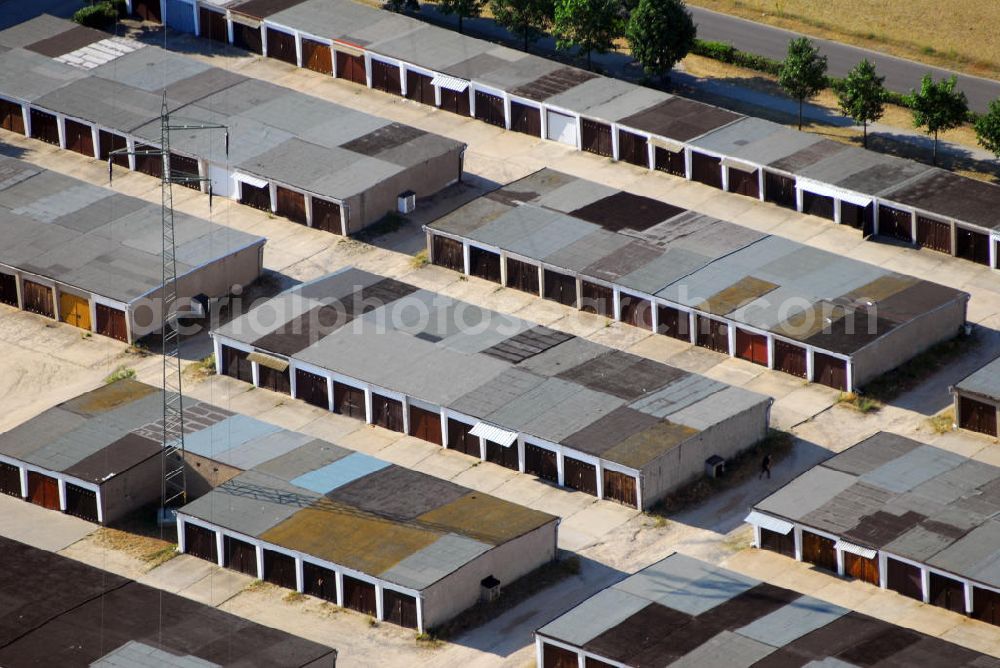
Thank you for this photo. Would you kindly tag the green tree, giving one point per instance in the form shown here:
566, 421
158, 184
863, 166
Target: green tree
803, 71
660, 33
463, 9
862, 95
590, 25
402, 5
988, 129
937, 106
526, 19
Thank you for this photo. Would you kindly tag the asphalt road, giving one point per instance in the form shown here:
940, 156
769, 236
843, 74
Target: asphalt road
900, 75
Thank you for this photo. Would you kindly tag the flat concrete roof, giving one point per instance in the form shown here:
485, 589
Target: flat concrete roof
95, 239
905, 498
488, 366
985, 382
269, 125
682, 611
60, 611
695, 260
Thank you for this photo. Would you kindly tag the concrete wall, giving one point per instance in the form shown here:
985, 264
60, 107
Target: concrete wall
508, 562
907, 341
203, 474
424, 179
686, 462
131, 490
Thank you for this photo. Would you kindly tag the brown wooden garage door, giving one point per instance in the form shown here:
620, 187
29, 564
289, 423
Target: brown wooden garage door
632, 149
973, 246
8, 290
829, 371
934, 234
349, 401
113, 142
37, 298
713, 334
620, 487
778, 542
419, 88
248, 38
986, 606
673, 323
213, 25
460, 440
43, 490
200, 542
484, 264
861, 568
185, 167
706, 169
779, 190
147, 10
541, 462
311, 388
579, 475
279, 569
558, 657
326, 216
595, 137
522, 276
81, 502
385, 77
10, 480
858, 217
359, 596
904, 579
894, 223
751, 347
79, 138
947, 593
636, 311
560, 288
44, 127
790, 358
316, 56
111, 322
274, 380
455, 102
489, 109
819, 551
594, 298
291, 204
281, 46
525, 119
425, 425
744, 183
504, 456
148, 162
240, 556
399, 608
258, 198
351, 68
11, 117
977, 416
319, 581
236, 365
387, 412
671, 162
817, 205
448, 253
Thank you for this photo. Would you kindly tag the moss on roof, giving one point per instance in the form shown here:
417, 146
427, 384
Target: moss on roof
486, 518
639, 449
108, 397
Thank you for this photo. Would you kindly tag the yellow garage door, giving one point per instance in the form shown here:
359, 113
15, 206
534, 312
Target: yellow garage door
74, 310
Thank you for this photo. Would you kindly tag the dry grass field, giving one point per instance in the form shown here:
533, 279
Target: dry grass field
960, 34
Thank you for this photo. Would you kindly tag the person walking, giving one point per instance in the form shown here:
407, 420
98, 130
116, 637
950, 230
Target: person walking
765, 467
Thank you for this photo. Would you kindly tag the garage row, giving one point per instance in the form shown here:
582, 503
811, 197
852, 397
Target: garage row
51, 491
47, 298
269, 563
432, 424
653, 314
977, 400
881, 569
770, 163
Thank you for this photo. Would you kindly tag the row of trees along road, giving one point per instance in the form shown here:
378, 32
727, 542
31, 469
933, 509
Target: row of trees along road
659, 32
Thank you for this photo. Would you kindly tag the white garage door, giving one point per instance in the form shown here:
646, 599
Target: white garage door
222, 181
561, 128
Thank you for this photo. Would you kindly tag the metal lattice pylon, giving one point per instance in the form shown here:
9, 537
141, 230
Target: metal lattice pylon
174, 483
